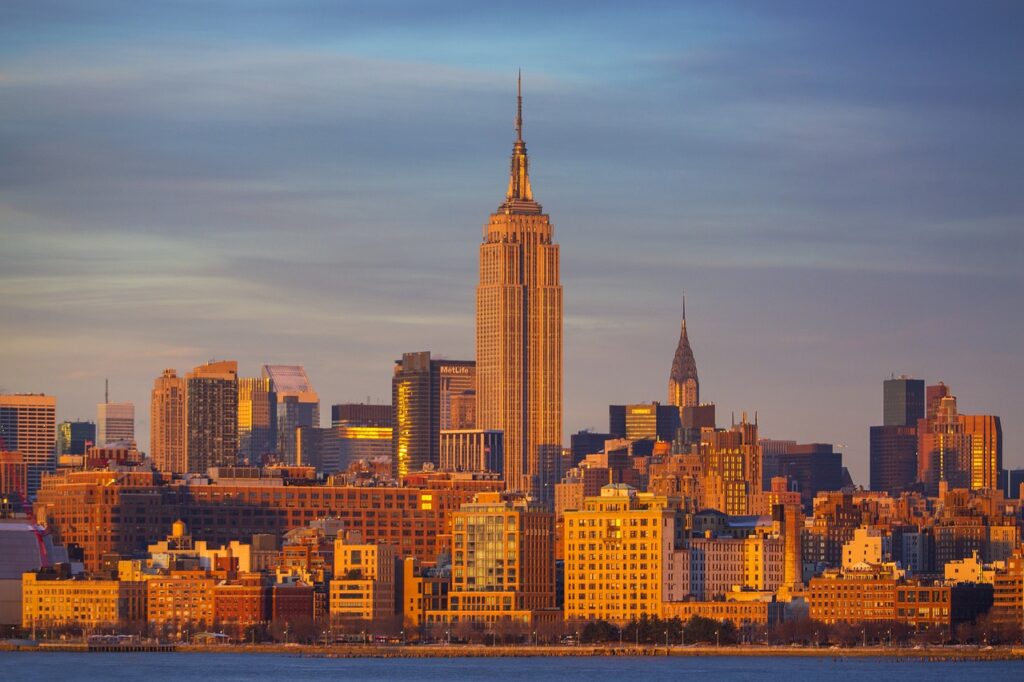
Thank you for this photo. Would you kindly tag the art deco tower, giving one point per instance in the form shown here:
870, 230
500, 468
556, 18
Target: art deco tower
519, 332
683, 387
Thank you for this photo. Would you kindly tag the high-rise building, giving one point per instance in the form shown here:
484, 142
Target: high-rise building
683, 386
810, 467
318, 448
933, 398
257, 419
731, 461
361, 414
364, 581
902, 401
519, 332
359, 443
28, 425
586, 442
421, 392
693, 419
893, 446
115, 422
893, 457
964, 451
617, 550
502, 561
167, 417
297, 405
74, 437
472, 450
986, 434
651, 421
212, 416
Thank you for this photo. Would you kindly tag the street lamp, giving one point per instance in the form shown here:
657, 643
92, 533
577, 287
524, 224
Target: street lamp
666, 639
718, 639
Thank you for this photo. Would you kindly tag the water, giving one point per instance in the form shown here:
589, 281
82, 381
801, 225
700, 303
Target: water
42, 667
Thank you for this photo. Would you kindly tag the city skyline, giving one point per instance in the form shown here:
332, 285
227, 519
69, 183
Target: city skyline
126, 256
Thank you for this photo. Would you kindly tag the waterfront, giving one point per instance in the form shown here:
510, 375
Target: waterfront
236, 666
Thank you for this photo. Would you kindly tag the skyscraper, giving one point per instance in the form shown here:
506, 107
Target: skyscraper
167, 423
74, 437
965, 451
28, 425
114, 422
731, 461
893, 452
652, 421
902, 401
421, 392
212, 416
893, 446
257, 419
519, 331
297, 405
683, 386
502, 561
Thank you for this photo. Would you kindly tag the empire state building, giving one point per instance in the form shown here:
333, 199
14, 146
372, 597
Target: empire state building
519, 332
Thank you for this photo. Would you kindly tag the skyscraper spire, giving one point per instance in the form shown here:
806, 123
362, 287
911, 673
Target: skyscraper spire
519, 198
519, 107
683, 385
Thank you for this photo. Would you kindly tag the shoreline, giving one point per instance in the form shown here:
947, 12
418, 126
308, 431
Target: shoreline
356, 651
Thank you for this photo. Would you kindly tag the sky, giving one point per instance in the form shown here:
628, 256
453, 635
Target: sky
837, 187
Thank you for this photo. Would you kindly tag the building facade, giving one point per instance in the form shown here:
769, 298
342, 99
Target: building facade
49, 600
731, 462
257, 419
902, 401
74, 437
472, 450
167, 423
115, 422
893, 452
617, 550
28, 425
502, 561
212, 416
363, 587
297, 405
964, 451
643, 421
361, 414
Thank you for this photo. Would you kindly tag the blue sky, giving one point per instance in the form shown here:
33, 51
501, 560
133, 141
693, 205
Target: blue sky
837, 186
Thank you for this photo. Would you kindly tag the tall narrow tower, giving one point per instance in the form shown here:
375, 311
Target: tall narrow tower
683, 387
519, 332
